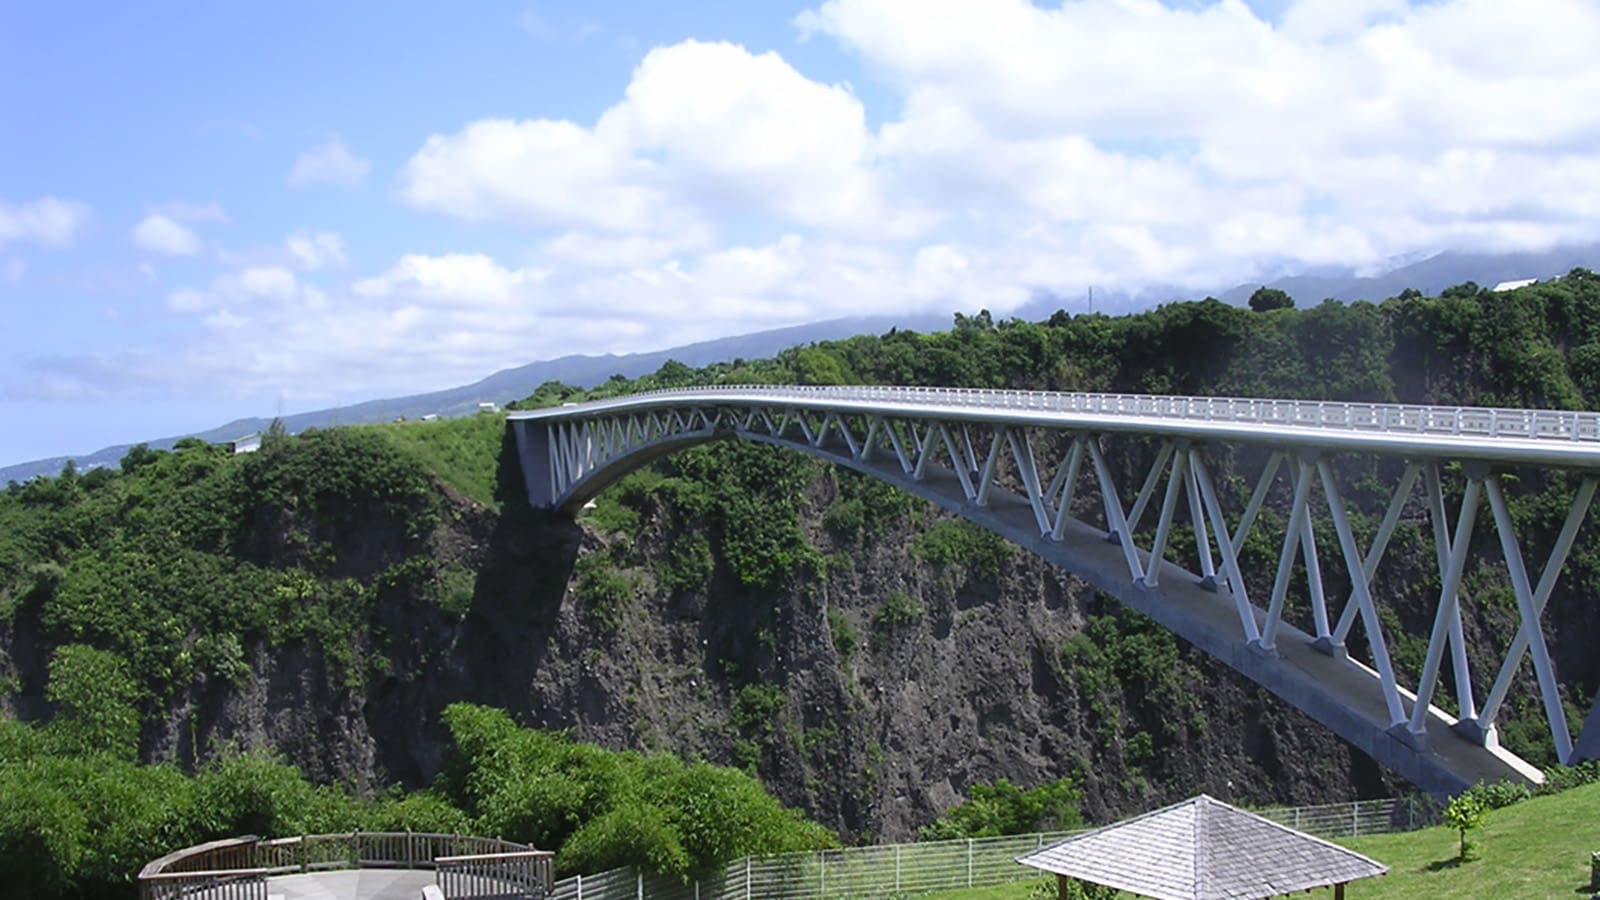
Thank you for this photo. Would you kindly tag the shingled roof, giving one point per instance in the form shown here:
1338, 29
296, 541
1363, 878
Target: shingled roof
1203, 849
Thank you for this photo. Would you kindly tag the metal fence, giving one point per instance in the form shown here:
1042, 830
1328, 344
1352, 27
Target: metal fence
927, 867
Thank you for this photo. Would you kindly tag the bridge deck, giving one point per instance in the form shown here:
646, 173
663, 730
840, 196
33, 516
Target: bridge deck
1561, 438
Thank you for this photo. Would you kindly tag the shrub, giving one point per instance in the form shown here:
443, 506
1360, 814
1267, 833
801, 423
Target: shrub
959, 542
1466, 813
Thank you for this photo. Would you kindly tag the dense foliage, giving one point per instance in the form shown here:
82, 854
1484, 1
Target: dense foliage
991, 810
599, 809
80, 822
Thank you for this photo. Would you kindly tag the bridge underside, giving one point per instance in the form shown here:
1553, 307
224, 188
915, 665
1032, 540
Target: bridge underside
1364, 706
1338, 693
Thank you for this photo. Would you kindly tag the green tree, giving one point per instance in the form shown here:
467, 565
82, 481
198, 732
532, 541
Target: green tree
96, 699
1466, 813
1265, 299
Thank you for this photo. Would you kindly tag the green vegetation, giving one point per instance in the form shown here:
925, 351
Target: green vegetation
179, 562
843, 634
898, 608
463, 452
959, 542
1465, 813
81, 824
599, 809
1003, 808
602, 589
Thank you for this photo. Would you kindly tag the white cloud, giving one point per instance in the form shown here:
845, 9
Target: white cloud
317, 250
538, 172
454, 279
705, 131
257, 287
332, 163
158, 233
48, 221
1021, 148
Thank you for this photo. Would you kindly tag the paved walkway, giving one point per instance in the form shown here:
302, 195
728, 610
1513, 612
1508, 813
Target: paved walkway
355, 884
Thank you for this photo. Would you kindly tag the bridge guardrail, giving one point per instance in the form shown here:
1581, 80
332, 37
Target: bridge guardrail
1391, 418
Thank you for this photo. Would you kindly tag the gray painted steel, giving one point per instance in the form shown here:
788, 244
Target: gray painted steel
973, 453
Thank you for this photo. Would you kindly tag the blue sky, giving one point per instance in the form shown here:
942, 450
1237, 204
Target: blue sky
216, 210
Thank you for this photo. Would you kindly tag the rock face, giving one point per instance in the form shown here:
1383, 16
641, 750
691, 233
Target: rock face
871, 690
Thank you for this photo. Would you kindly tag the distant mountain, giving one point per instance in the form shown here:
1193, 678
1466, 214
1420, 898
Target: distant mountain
1430, 275
512, 384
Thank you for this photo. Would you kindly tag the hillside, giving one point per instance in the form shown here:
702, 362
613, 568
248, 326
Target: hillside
869, 658
501, 387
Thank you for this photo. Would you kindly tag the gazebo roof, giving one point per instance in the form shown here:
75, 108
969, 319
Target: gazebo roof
1202, 849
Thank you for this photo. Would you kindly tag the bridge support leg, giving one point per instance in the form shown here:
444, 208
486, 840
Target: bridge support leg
1541, 594
1588, 745
533, 451
1449, 598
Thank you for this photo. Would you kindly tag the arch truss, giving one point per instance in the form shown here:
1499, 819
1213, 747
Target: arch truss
1055, 473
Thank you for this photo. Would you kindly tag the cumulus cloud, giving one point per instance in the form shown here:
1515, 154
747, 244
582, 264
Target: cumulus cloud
331, 164
704, 131
158, 233
316, 250
48, 221
453, 279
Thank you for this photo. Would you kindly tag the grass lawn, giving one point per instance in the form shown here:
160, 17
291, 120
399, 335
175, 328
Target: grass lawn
1537, 848
464, 452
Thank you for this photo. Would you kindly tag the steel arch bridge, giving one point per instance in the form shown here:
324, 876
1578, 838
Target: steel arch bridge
1014, 461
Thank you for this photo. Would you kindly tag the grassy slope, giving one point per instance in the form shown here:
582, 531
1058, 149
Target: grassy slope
463, 453
1538, 848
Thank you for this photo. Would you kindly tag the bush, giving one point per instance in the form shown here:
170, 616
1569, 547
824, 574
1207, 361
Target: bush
959, 542
1003, 808
898, 608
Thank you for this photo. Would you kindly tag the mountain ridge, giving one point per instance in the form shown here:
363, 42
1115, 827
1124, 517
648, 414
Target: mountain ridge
1430, 275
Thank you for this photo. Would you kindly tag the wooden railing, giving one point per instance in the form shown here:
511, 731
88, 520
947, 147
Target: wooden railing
237, 868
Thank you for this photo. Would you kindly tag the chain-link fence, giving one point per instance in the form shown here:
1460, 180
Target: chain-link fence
904, 869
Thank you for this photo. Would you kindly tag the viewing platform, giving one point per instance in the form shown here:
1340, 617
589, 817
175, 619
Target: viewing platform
355, 866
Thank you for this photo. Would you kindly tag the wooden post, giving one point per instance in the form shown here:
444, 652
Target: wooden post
1061, 887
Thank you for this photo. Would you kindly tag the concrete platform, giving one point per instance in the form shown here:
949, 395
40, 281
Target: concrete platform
353, 884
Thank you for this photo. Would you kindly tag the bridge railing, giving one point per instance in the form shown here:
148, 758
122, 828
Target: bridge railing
1395, 418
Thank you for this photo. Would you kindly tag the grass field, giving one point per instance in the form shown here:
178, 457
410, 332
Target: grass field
1537, 848
463, 452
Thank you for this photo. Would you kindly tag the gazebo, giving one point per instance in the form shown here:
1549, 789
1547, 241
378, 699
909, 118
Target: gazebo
1203, 849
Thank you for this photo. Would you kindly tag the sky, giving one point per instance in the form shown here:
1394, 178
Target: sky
215, 210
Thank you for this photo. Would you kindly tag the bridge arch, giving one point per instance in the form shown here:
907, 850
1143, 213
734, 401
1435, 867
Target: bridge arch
976, 454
